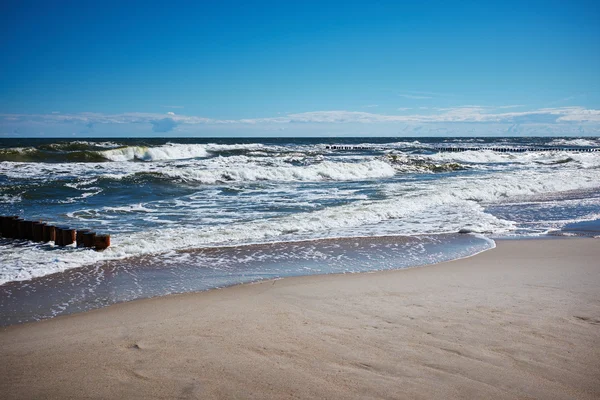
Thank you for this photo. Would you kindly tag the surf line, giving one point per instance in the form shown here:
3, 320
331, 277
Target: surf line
13, 227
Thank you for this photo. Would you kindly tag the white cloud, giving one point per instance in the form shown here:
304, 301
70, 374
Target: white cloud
511, 106
462, 114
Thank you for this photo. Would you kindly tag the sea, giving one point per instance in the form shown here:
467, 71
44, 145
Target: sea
192, 214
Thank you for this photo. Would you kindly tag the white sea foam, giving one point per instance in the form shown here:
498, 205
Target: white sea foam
593, 142
248, 172
63, 145
129, 208
329, 195
179, 151
410, 208
5, 198
532, 159
214, 147
207, 171
168, 151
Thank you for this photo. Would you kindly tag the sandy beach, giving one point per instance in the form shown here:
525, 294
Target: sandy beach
519, 321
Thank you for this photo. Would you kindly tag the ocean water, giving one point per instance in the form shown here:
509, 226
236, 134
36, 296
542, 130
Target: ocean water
194, 214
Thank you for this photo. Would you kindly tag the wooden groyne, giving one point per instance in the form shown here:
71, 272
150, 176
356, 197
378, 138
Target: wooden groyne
13, 227
459, 149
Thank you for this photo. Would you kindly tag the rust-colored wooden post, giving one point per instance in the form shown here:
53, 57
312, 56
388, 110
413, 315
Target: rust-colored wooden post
89, 239
101, 242
38, 231
49, 233
68, 235
79, 236
58, 237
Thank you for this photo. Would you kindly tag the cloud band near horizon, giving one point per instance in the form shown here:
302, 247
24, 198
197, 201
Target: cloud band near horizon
163, 123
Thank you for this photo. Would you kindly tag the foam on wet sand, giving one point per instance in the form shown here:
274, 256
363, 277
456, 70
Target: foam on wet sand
519, 321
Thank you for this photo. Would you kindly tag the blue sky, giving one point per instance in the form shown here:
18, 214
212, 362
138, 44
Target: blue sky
302, 68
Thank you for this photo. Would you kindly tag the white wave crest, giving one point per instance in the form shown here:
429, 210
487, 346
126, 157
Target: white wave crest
169, 151
228, 147
593, 142
587, 160
231, 170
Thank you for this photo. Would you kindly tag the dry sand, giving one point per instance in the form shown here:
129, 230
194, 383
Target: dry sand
519, 321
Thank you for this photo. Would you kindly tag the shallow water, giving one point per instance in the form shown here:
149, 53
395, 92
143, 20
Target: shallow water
102, 284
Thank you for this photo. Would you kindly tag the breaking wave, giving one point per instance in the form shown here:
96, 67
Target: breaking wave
165, 152
579, 142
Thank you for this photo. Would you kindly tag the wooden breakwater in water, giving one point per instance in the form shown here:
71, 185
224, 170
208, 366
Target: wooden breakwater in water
13, 227
459, 149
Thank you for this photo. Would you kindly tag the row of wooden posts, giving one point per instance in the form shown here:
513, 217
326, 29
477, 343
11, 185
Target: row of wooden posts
13, 227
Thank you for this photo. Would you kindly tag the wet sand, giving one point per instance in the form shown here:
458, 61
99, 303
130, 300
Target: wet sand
116, 281
519, 321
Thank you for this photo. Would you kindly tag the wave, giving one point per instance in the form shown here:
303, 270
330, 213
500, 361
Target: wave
78, 145
406, 163
107, 151
216, 170
168, 151
483, 157
82, 151
291, 167
247, 171
579, 142
32, 154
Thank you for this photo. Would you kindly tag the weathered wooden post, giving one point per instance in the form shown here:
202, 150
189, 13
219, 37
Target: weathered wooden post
58, 237
5, 225
101, 242
49, 233
14, 227
88, 239
20, 228
68, 236
25, 229
29, 230
38, 231
79, 237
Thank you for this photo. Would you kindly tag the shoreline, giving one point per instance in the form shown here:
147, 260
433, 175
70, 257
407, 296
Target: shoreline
522, 319
100, 285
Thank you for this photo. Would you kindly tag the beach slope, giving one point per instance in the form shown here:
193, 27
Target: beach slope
518, 321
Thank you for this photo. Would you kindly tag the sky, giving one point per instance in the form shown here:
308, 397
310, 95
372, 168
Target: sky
299, 68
